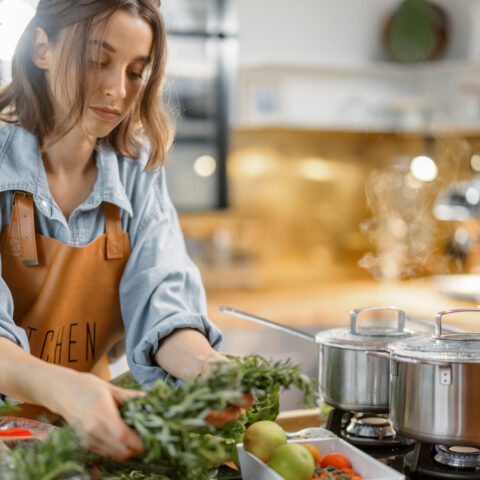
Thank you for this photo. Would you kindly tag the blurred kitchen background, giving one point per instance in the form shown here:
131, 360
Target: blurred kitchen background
327, 156
314, 140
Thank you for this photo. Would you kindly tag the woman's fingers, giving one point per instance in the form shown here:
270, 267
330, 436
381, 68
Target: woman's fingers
93, 412
218, 418
123, 435
127, 441
110, 436
122, 394
246, 402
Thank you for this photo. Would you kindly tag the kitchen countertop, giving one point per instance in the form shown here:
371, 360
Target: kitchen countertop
329, 305
294, 420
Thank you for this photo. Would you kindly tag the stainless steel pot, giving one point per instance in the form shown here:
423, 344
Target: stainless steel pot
435, 386
348, 377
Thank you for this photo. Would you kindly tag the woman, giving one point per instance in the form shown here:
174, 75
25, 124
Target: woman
90, 246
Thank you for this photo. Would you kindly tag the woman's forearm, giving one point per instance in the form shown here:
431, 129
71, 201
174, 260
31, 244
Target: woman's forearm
186, 353
27, 378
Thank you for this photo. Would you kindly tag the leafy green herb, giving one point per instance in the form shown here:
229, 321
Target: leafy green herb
170, 420
126, 380
179, 443
7, 406
58, 457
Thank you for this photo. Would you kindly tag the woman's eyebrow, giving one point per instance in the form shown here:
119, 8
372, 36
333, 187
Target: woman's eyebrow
111, 48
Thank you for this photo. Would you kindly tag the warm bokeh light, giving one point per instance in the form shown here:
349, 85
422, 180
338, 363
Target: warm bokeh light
472, 195
316, 169
475, 162
14, 17
252, 165
205, 166
461, 236
423, 168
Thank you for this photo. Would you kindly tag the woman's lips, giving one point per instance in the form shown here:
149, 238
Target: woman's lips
106, 113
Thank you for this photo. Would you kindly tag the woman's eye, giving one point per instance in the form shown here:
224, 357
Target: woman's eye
136, 75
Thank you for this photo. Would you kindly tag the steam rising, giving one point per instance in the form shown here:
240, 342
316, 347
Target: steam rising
402, 228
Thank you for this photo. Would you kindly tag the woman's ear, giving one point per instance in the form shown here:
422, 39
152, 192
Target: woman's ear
41, 47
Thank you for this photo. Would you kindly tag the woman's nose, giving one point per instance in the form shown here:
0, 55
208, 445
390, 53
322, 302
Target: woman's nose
114, 84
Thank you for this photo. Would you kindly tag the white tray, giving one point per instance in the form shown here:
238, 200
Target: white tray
369, 468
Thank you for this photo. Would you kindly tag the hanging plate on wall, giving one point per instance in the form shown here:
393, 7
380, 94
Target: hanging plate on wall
416, 32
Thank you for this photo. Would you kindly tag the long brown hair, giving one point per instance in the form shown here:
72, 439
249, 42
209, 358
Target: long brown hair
25, 101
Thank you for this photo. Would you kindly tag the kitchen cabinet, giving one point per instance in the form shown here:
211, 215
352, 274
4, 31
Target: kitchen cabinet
380, 97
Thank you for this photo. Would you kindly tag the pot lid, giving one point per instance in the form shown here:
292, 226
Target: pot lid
372, 337
449, 348
439, 347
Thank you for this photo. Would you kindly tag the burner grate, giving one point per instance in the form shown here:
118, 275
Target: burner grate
365, 430
422, 460
369, 426
458, 456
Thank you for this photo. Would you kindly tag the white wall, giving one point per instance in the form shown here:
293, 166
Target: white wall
326, 32
310, 31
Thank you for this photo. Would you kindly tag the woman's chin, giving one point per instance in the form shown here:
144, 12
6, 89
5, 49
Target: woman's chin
99, 131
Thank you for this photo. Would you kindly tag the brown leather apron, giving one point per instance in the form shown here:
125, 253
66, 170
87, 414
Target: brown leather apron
66, 298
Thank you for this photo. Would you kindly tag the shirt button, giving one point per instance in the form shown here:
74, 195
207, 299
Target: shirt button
44, 203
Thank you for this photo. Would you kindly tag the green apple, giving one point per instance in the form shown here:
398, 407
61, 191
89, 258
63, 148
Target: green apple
293, 462
262, 438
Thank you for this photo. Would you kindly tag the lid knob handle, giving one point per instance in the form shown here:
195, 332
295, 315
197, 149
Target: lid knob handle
354, 314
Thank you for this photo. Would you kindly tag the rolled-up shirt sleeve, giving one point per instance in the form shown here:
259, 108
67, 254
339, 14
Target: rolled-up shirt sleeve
161, 289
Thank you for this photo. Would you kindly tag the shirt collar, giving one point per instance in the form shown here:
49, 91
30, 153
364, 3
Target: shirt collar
108, 187
22, 169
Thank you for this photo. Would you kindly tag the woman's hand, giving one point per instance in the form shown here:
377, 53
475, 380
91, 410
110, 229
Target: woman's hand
90, 405
218, 418
186, 354
85, 401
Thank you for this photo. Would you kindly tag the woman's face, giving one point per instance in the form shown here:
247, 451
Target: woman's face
116, 67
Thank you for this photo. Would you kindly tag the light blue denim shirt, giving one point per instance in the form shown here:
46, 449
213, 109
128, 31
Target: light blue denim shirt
161, 289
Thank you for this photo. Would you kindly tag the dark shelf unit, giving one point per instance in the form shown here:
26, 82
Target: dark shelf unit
202, 103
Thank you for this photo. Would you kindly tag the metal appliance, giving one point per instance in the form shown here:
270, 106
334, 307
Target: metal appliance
201, 72
435, 386
373, 433
434, 399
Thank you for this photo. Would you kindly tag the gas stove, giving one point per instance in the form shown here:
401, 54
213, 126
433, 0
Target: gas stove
373, 434
366, 430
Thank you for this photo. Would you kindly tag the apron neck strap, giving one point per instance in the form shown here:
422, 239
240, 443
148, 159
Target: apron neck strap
21, 231
113, 230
